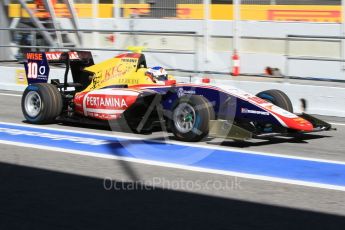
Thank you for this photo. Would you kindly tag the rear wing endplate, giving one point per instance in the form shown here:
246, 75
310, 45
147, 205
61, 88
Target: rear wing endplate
37, 64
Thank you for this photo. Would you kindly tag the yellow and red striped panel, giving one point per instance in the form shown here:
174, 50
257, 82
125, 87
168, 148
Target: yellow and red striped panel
311, 13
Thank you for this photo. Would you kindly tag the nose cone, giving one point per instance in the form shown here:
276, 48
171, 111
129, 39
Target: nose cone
300, 124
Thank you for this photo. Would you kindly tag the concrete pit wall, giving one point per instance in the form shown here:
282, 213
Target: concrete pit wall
262, 44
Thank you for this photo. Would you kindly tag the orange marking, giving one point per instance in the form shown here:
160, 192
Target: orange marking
304, 15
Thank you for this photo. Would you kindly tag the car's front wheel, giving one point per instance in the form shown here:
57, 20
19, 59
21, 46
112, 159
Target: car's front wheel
277, 98
190, 118
41, 103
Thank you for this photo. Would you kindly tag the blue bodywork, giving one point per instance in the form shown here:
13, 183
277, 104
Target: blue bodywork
225, 105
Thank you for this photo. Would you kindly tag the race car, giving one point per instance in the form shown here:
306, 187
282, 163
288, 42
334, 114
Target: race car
125, 91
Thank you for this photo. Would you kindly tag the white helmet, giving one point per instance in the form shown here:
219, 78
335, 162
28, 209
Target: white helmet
157, 73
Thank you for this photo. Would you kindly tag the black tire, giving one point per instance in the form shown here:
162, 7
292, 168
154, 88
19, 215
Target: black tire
277, 98
47, 109
199, 126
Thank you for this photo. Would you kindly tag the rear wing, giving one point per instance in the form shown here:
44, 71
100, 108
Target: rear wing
37, 67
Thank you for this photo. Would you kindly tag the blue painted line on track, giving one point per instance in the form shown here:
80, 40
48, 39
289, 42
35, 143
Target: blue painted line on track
227, 160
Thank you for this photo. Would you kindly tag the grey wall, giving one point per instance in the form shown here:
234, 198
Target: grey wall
5, 53
263, 44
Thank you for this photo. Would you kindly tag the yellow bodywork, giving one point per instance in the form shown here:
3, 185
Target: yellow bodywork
119, 71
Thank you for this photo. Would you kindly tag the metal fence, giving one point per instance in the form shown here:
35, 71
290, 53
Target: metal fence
206, 12
85, 45
314, 11
321, 45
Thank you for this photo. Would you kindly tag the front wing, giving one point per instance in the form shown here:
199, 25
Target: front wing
228, 130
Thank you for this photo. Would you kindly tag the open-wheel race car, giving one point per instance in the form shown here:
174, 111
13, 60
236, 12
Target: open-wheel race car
124, 90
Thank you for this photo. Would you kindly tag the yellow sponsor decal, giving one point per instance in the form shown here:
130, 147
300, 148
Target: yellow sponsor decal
128, 81
113, 70
300, 120
20, 77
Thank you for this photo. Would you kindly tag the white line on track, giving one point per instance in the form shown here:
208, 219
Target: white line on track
131, 137
10, 94
334, 123
176, 166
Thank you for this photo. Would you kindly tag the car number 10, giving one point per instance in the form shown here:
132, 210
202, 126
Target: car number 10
32, 70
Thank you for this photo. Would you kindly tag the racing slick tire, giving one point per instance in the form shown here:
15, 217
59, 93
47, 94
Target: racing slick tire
277, 98
190, 118
41, 103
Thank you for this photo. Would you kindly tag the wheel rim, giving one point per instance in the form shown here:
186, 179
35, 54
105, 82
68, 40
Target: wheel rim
33, 104
184, 117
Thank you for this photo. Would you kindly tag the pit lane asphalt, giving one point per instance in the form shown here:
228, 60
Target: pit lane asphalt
30, 175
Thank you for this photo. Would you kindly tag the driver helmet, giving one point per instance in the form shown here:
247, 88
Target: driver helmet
157, 73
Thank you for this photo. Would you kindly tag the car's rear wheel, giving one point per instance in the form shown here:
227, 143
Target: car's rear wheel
190, 118
277, 98
41, 103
